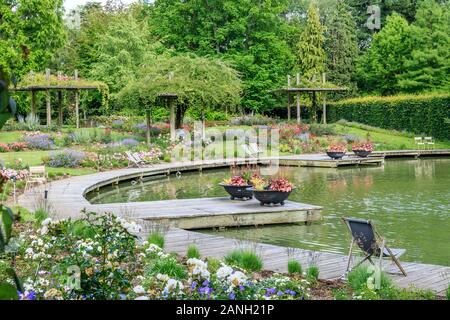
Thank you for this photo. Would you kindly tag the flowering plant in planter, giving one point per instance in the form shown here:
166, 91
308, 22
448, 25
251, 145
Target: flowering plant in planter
337, 148
236, 181
363, 146
280, 184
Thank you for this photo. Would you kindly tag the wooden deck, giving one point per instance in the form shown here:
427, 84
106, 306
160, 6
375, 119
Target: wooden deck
324, 161
331, 265
215, 212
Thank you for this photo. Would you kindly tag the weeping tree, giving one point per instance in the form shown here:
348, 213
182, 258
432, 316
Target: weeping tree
183, 82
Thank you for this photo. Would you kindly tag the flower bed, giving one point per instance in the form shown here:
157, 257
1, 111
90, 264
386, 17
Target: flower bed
39, 141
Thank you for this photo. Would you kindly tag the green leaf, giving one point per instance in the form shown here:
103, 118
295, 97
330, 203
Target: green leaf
8, 292
12, 273
7, 221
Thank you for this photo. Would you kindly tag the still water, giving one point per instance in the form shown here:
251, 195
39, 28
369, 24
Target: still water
408, 200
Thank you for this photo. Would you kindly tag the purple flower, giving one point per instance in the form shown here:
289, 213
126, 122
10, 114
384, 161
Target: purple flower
279, 293
241, 288
232, 296
205, 283
129, 142
194, 284
67, 158
40, 141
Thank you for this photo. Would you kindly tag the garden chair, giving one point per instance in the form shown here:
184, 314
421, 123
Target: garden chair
251, 150
429, 142
371, 243
36, 176
132, 160
419, 142
140, 160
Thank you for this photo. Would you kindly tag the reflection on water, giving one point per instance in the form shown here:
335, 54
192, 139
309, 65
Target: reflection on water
409, 201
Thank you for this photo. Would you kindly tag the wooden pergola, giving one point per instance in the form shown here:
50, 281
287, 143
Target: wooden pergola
59, 89
289, 91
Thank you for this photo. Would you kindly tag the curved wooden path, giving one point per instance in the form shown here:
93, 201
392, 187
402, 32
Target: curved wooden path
66, 198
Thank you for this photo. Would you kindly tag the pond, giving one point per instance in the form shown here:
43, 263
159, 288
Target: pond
408, 200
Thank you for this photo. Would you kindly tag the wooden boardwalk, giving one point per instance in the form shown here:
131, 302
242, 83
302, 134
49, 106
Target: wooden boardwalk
323, 161
331, 265
66, 198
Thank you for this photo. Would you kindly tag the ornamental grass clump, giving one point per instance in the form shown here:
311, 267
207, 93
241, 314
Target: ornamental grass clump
294, 267
244, 258
192, 252
312, 273
157, 238
67, 158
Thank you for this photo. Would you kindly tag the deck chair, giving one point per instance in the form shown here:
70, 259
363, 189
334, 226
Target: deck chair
140, 160
132, 159
371, 243
251, 150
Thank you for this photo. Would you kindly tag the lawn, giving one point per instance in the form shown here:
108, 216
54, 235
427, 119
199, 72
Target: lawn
384, 139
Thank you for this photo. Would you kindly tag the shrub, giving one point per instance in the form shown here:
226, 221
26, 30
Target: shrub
4, 147
192, 252
40, 141
67, 158
40, 215
244, 258
421, 114
248, 120
312, 273
318, 129
294, 267
156, 237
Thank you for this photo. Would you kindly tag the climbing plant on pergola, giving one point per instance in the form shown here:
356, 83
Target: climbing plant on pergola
45, 82
184, 82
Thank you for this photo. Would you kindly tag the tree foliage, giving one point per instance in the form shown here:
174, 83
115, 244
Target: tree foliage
250, 34
198, 82
341, 44
311, 55
30, 33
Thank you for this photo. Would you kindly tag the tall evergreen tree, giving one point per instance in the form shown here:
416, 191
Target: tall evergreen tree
428, 67
341, 44
383, 63
311, 55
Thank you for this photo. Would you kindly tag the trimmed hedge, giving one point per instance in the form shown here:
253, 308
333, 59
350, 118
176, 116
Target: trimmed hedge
420, 114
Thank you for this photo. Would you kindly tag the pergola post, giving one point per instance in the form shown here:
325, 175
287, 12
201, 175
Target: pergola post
77, 103
172, 119
324, 112
60, 108
77, 108
49, 107
148, 118
299, 117
33, 102
203, 125
289, 98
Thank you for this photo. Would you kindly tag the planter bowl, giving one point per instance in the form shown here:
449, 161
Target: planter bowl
335, 155
270, 196
238, 192
362, 153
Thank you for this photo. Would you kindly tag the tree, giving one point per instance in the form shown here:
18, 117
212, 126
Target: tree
197, 82
311, 55
30, 32
341, 45
428, 66
123, 48
380, 68
249, 34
